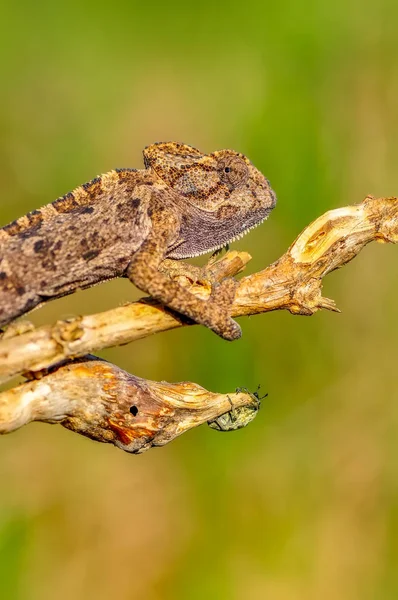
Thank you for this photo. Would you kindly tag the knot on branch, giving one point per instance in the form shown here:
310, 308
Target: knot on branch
307, 299
67, 331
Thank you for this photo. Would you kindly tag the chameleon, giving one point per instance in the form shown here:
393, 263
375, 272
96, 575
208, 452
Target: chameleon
130, 223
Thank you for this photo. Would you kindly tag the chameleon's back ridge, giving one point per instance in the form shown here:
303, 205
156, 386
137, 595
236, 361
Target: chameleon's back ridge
84, 195
126, 222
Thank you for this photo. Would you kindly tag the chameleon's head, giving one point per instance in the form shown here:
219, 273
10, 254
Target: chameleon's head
223, 195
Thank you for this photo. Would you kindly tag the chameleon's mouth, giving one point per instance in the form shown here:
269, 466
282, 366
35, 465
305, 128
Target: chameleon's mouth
234, 238
188, 248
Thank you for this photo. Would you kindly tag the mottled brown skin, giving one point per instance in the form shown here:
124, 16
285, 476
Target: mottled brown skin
126, 222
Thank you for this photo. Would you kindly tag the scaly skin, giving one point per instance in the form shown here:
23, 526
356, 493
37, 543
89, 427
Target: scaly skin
126, 222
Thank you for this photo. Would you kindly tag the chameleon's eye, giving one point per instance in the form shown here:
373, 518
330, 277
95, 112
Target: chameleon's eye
233, 171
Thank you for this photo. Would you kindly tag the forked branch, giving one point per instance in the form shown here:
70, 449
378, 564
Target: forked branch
294, 283
99, 400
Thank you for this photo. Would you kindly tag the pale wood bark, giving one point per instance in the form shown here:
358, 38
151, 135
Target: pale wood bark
293, 283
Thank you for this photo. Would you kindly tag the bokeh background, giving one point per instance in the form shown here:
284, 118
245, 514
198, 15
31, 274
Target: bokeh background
303, 504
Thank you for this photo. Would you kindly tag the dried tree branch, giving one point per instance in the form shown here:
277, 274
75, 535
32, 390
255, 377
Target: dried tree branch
293, 283
100, 401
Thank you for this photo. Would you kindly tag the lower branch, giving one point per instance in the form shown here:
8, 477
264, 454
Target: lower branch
98, 400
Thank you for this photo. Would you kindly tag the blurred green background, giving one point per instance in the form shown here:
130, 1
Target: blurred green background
303, 504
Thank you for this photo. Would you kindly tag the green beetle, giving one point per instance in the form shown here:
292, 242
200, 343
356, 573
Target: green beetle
238, 417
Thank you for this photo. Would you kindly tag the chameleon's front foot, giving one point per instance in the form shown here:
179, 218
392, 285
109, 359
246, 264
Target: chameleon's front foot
219, 308
229, 330
225, 327
213, 313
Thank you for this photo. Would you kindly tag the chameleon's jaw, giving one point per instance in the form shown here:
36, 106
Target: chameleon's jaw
232, 239
183, 250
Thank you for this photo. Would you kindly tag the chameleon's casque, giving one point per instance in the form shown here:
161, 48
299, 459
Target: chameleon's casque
126, 222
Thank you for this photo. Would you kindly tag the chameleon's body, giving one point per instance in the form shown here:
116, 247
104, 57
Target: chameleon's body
126, 222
